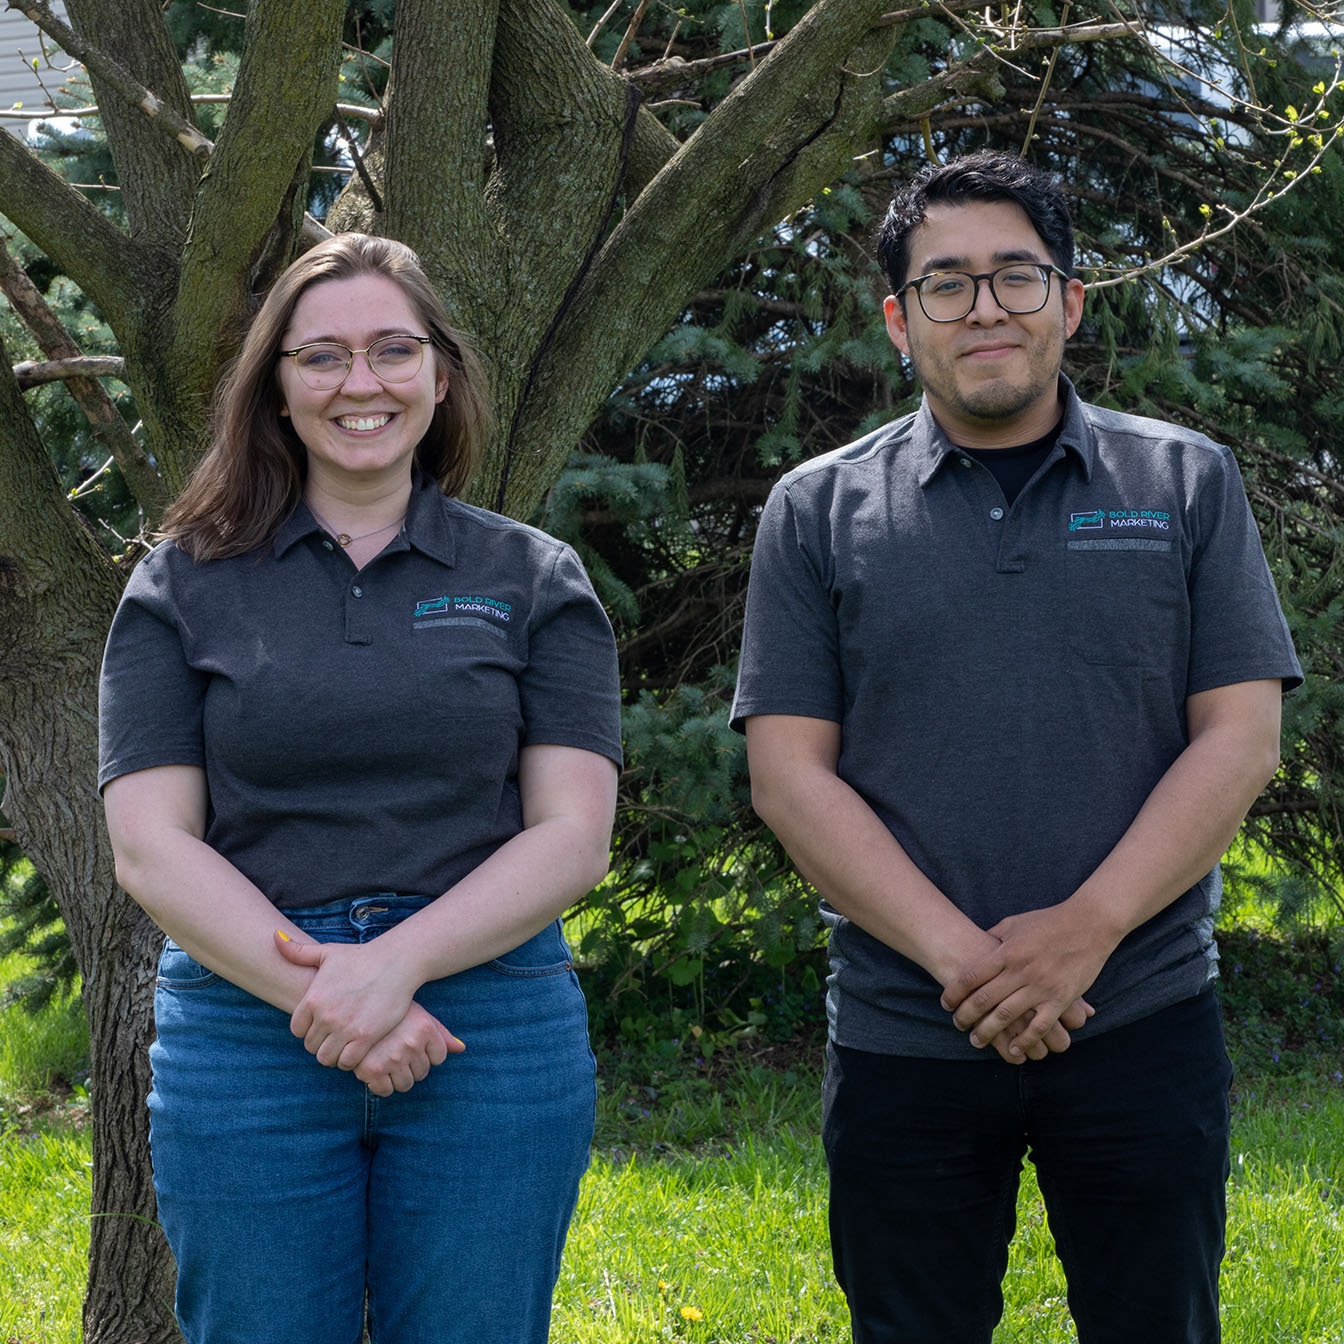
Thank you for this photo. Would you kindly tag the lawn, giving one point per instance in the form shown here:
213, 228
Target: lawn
703, 1215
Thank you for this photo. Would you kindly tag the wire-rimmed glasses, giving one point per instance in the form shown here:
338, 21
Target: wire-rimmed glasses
325, 365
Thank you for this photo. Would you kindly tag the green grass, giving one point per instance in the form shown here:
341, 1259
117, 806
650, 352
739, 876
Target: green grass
703, 1215
42, 1053
44, 1233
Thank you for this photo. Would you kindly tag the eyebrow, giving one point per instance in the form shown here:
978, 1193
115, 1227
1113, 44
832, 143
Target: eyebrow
963, 263
374, 336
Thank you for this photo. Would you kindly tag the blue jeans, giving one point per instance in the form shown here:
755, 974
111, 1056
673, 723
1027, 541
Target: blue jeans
1128, 1132
287, 1190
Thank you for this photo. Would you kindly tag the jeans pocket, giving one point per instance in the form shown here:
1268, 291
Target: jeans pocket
178, 970
546, 953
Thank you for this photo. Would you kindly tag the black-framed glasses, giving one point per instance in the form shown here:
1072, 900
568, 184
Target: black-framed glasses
948, 296
325, 365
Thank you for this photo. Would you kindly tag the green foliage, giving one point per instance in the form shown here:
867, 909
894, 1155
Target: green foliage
1283, 1002
30, 924
690, 936
786, 356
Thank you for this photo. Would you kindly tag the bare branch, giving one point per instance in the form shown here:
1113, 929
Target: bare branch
636, 19
1276, 183
81, 374
602, 22
115, 77
30, 373
351, 111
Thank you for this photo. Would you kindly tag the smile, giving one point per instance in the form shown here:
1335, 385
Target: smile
362, 422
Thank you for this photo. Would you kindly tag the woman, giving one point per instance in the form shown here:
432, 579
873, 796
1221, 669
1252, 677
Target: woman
359, 750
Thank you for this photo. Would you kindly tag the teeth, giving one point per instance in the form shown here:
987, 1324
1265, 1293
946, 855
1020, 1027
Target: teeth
362, 421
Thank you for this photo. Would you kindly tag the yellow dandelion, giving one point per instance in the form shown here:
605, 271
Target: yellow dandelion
692, 1314
663, 1286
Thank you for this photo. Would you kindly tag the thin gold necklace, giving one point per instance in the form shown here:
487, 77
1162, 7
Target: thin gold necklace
344, 539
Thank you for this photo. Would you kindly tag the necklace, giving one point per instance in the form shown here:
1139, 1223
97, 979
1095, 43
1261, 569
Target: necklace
344, 539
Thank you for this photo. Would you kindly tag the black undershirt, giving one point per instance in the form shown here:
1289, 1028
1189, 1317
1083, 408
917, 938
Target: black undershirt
1014, 467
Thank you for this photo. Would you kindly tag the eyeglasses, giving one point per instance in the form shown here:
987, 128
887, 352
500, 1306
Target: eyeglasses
948, 296
325, 365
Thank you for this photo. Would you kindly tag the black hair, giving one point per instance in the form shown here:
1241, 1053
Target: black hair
985, 175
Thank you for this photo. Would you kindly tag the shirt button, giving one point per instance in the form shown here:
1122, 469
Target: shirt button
996, 514
359, 592
327, 546
965, 461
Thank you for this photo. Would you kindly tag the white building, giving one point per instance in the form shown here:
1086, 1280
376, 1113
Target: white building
20, 45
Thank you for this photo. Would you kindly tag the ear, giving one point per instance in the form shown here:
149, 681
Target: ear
1073, 305
896, 324
440, 387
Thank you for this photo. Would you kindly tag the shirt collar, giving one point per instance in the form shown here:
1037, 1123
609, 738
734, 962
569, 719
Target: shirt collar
933, 447
426, 527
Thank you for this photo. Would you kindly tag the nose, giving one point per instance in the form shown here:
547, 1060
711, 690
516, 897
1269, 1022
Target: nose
361, 377
986, 307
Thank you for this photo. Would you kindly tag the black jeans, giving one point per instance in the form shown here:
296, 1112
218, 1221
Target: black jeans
1129, 1135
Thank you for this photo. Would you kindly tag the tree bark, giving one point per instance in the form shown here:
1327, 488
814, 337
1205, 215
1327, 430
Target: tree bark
787, 129
57, 594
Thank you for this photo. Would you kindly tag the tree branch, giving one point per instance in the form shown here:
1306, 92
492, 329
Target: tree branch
784, 131
94, 253
43, 544
435, 134
115, 77
975, 77
554, 96
31, 373
158, 152
81, 376
249, 204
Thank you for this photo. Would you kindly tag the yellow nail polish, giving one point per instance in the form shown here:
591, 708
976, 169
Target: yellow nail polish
280, 933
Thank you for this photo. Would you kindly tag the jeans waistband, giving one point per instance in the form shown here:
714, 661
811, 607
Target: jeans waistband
358, 917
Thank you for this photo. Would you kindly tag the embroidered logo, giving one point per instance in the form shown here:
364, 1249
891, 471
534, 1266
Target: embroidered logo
1118, 520
464, 609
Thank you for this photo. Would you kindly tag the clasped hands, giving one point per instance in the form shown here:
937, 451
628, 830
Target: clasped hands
1026, 994
359, 1014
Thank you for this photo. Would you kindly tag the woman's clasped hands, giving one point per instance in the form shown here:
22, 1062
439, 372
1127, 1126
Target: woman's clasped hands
359, 1014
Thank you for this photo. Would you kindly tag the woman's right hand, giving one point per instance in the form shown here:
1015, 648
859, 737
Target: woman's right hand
406, 1054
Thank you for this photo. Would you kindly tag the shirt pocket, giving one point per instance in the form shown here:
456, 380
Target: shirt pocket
466, 674
1127, 603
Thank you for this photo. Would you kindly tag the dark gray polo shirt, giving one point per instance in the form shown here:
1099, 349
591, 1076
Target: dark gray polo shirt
360, 731
1010, 681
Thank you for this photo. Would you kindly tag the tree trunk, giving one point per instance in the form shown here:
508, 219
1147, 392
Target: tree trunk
58, 591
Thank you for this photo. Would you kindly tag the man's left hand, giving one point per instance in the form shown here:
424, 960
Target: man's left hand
1046, 960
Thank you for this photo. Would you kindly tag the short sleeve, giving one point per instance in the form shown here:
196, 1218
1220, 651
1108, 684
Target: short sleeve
569, 693
150, 700
1237, 629
790, 641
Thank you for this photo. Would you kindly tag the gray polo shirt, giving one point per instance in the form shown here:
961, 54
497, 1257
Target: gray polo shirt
1010, 681
360, 731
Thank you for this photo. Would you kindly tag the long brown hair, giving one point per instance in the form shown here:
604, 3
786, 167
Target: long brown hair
251, 477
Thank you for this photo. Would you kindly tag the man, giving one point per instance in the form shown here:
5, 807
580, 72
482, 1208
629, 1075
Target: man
1010, 681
